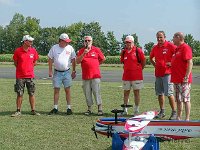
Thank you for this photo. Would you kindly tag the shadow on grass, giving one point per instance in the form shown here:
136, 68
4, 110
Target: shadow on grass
109, 148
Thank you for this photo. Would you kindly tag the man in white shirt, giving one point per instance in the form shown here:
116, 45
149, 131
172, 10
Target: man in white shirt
62, 55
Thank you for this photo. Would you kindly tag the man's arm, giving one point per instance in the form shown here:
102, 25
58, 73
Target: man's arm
143, 63
50, 62
73, 68
189, 69
80, 58
15, 63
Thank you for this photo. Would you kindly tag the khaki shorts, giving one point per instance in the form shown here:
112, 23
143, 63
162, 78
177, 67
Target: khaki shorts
20, 84
182, 92
136, 85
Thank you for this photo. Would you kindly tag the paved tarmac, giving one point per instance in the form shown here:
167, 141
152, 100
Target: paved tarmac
107, 76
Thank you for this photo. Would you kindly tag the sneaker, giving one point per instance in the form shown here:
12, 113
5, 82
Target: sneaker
17, 113
88, 112
100, 113
35, 113
69, 111
124, 113
136, 113
173, 116
160, 115
53, 111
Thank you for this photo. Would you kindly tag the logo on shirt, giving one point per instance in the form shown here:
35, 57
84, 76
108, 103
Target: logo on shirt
93, 54
67, 52
165, 51
31, 55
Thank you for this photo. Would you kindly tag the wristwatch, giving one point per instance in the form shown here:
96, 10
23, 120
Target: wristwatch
74, 71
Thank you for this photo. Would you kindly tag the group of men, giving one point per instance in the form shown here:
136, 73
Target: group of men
62, 61
172, 62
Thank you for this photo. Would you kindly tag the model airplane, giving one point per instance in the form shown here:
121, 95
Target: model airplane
136, 131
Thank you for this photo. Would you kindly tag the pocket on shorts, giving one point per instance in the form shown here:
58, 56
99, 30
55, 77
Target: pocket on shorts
15, 87
31, 88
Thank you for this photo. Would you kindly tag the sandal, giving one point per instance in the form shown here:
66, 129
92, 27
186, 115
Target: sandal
88, 112
100, 113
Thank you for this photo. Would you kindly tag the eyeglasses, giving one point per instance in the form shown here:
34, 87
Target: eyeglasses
127, 42
87, 40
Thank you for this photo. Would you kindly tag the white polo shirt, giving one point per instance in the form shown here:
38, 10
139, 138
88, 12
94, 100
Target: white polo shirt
62, 56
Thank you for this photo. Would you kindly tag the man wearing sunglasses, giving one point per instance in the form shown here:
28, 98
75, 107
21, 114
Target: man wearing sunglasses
90, 58
25, 58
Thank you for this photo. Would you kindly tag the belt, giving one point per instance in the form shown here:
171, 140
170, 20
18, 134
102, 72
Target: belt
61, 71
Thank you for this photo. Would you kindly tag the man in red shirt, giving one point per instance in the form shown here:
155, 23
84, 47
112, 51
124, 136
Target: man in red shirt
25, 58
90, 58
160, 57
182, 74
134, 61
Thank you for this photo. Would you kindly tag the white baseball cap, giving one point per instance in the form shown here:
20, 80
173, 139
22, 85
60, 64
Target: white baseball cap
129, 38
65, 37
27, 38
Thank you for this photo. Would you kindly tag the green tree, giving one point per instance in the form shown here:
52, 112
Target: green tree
47, 38
113, 46
93, 29
195, 45
14, 32
148, 47
196, 48
2, 43
74, 32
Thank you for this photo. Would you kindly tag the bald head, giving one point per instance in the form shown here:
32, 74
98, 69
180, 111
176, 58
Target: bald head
179, 35
178, 38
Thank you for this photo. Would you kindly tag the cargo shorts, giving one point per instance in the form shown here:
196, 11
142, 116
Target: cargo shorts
20, 85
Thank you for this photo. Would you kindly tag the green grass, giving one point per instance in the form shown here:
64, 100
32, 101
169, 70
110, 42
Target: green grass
73, 132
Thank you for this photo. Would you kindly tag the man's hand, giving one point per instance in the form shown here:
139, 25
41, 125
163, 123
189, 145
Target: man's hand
73, 75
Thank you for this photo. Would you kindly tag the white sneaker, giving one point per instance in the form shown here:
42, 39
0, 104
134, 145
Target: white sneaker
17, 113
136, 113
124, 113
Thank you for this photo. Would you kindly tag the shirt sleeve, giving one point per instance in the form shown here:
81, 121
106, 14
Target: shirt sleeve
73, 55
187, 53
50, 54
100, 55
122, 56
15, 55
36, 55
141, 54
151, 53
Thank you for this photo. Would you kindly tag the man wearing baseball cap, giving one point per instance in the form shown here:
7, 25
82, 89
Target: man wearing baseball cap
134, 61
62, 55
25, 58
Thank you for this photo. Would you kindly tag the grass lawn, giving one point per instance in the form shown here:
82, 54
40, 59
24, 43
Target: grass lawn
73, 132
62, 132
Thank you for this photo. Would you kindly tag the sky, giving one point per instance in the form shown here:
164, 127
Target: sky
143, 17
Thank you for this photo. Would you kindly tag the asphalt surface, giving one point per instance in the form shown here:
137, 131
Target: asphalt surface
107, 76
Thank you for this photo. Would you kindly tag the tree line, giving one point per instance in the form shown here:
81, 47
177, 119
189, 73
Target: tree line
11, 36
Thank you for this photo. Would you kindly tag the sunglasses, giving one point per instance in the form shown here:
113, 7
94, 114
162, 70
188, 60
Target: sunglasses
87, 40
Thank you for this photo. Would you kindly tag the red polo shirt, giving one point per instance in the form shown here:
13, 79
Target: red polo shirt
179, 63
91, 63
25, 62
132, 69
162, 55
